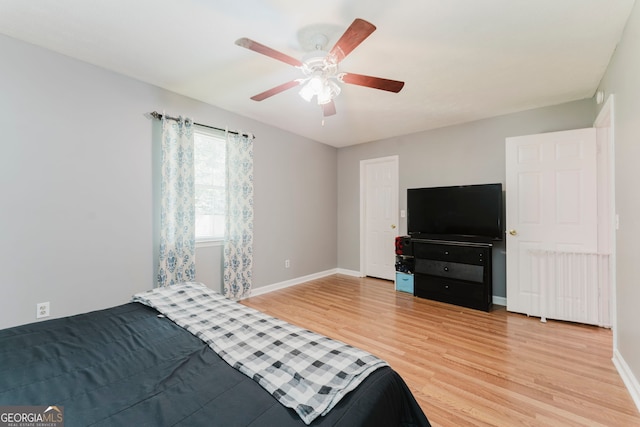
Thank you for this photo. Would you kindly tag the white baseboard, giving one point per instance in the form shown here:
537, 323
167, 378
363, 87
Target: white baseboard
349, 272
627, 377
500, 300
287, 283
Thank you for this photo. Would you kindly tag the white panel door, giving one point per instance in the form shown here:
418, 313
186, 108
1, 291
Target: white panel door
380, 215
551, 208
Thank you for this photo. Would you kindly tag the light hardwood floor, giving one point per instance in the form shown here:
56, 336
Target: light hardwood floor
467, 367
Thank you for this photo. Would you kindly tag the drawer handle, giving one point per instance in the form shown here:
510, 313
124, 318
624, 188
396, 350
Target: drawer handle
446, 286
446, 269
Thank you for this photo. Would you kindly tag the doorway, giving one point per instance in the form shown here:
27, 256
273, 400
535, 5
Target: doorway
378, 216
559, 224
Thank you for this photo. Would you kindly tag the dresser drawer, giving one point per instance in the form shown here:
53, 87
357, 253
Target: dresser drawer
452, 270
450, 291
452, 253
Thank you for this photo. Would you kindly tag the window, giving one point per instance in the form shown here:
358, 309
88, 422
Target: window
209, 163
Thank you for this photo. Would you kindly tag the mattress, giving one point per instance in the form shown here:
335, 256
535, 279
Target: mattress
129, 365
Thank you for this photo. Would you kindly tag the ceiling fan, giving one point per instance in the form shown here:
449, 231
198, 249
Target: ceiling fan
320, 68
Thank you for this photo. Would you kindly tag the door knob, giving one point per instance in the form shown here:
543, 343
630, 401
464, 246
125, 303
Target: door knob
393, 226
513, 232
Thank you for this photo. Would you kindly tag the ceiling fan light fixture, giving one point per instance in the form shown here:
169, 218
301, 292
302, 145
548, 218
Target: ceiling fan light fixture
329, 91
316, 83
307, 92
321, 87
324, 97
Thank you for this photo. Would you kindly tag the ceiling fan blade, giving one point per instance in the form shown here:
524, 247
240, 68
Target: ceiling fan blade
265, 50
355, 34
373, 82
276, 90
329, 109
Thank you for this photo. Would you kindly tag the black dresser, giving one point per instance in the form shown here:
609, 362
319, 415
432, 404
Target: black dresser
456, 272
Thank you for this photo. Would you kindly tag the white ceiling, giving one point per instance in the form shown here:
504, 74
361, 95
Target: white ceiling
462, 60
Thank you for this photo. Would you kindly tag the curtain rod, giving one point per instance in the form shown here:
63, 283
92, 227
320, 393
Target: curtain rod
159, 116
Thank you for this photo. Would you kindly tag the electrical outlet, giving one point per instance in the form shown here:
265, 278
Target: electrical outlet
287, 263
42, 310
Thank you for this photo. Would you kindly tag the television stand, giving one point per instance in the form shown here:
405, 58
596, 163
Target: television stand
454, 271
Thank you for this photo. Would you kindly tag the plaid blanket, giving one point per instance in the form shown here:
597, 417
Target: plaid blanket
303, 370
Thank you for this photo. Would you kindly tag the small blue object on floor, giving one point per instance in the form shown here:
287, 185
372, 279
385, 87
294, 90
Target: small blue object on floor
404, 282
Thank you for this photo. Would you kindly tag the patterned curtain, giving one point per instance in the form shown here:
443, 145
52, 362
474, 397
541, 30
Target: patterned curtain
238, 245
177, 210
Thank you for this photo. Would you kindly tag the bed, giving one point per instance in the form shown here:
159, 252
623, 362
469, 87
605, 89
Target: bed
140, 364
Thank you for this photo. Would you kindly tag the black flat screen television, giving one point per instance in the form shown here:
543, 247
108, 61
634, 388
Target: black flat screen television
465, 211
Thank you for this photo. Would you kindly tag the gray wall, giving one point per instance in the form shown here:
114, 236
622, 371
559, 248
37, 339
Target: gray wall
76, 183
623, 80
470, 153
